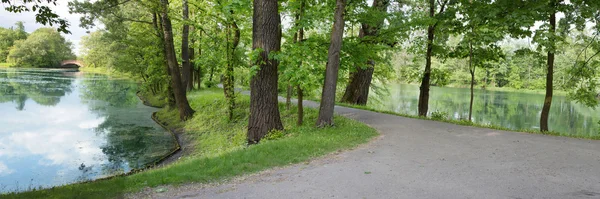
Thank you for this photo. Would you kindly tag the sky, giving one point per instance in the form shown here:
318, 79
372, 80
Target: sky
8, 19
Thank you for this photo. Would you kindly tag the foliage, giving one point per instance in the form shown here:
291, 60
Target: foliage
8, 38
44, 15
45, 47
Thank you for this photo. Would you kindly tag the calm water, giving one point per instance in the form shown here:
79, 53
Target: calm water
59, 127
508, 109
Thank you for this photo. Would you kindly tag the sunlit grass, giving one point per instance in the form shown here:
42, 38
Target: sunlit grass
220, 149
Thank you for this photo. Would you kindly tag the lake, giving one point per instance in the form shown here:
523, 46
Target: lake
513, 110
59, 127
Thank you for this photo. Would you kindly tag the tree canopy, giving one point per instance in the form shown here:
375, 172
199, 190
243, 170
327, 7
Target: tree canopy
45, 48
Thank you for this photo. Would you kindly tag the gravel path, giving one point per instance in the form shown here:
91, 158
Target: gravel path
426, 159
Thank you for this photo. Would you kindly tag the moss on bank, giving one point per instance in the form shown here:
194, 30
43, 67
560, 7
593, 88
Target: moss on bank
220, 150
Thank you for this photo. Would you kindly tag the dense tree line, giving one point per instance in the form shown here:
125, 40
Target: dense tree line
44, 47
345, 47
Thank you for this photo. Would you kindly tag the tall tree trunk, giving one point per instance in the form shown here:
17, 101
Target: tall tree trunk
266, 35
331, 71
185, 111
228, 82
425, 82
199, 69
472, 72
157, 23
192, 50
298, 88
185, 55
550, 74
357, 90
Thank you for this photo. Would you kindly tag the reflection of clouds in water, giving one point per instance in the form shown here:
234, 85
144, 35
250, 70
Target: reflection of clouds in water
59, 147
60, 144
4, 170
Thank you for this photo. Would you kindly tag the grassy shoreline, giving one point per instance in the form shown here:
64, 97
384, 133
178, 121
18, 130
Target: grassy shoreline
469, 123
223, 153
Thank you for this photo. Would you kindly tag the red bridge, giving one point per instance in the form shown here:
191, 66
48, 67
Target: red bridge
71, 64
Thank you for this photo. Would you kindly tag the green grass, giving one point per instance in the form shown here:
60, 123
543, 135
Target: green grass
220, 149
105, 71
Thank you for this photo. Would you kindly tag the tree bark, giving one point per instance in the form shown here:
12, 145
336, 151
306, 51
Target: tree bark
357, 90
331, 71
185, 55
550, 75
185, 111
266, 35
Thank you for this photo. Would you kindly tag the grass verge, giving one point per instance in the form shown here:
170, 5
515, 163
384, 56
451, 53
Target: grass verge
220, 148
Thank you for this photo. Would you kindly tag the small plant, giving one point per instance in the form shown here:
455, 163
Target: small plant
274, 135
210, 84
439, 115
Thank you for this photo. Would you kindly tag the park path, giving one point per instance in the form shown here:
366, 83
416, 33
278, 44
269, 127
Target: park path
415, 158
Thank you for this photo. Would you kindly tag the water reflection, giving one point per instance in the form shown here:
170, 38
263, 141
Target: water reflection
508, 109
61, 127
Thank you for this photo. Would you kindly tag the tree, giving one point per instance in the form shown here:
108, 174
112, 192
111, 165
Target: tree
333, 63
266, 39
357, 90
44, 48
187, 70
550, 70
8, 38
185, 111
425, 81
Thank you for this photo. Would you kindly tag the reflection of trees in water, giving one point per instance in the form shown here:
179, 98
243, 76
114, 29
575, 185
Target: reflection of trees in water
117, 93
508, 109
45, 88
131, 142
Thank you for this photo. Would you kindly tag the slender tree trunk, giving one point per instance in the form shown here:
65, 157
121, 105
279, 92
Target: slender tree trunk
331, 71
228, 83
266, 35
192, 50
199, 68
425, 82
185, 55
550, 75
357, 90
298, 88
472, 71
185, 111
157, 23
